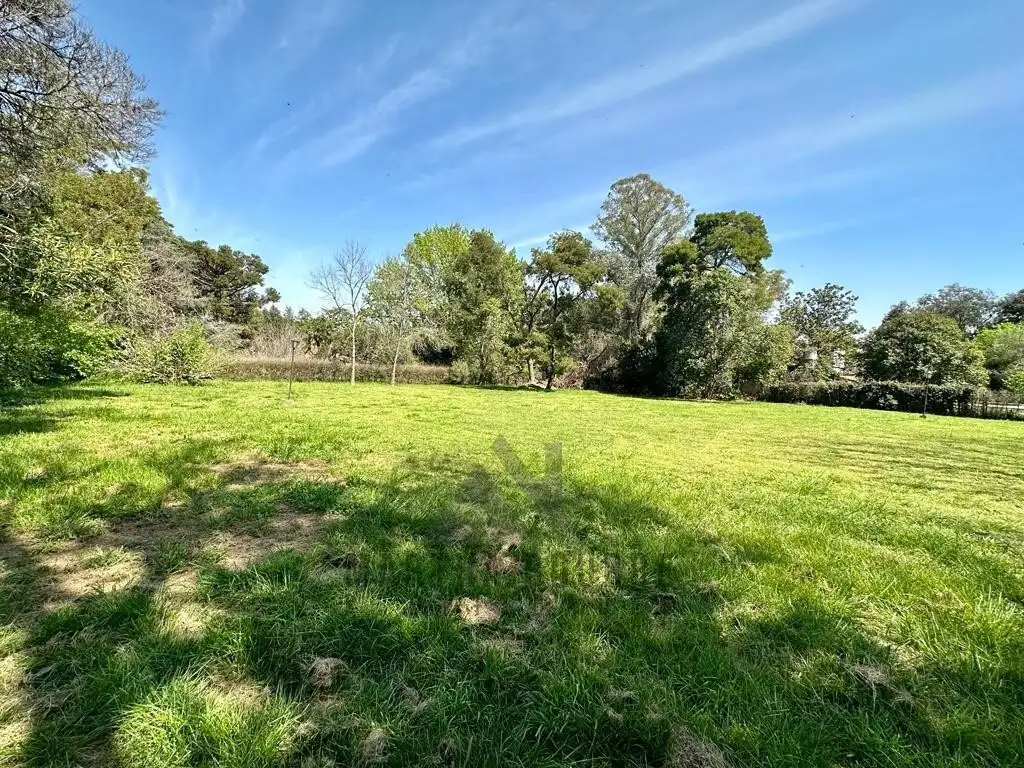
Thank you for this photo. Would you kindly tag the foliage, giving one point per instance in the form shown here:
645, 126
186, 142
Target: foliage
639, 219
823, 321
343, 281
1002, 351
877, 395
183, 356
945, 400
62, 92
484, 298
229, 281
713, 338
563, 300
1010, 308
737, 240
921, 347
313, 369
50, 345
1014, 382
400, 302
972, 308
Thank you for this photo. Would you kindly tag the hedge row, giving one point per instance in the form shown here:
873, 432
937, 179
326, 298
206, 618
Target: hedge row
897, 396
307, 369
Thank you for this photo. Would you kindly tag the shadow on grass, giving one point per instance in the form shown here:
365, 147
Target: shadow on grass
617, 629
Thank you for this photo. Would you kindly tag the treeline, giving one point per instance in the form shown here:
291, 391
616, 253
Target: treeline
92, 278
667, 304
653, 300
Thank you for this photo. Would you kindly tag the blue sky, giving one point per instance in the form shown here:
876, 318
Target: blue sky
880, 139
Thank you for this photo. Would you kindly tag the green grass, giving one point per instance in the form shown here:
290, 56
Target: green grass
217, 577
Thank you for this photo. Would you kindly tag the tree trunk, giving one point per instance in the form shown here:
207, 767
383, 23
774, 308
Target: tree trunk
353, 378
551, 370
533, 372
394, 363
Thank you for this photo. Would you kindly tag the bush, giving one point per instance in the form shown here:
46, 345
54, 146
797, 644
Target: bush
183, 356
308, 369
51, 345
895, 396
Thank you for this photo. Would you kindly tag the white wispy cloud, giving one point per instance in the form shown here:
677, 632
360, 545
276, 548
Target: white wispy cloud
360, 131
364, 75
225, 16
308, 23
814, 230
635, 81
953, 101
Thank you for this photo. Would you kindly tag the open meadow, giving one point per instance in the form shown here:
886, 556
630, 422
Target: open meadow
432, 575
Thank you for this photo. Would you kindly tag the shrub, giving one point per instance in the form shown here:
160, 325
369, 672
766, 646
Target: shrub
183, 356
1015, 382
309, 369
51, 345
895, 396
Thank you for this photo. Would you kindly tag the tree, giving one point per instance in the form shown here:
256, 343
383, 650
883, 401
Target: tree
822, 320
737, 240
1002, 351
398, 300
560, 281
483, 294
343, 282
972, 308
638, 220
921, 347
62, 89
715, 292
67, 101
228, 281
1011, 308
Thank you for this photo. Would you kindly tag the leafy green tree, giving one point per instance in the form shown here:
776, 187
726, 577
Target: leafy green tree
714, 337
639, 219
737, 240
823, 320
432, 254
1002, 351
564, 298
921, 347
228, 282
67, 102
1011, 308
972, 308
398, 300
483, 291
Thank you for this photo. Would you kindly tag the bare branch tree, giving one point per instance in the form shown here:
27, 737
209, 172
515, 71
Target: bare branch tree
342, 281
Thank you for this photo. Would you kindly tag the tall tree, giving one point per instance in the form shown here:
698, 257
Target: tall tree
67, 101
921, 347
483, 292
1002, 351
343, 282
823, 320
972, 308
229, 282
715, 292
1011, 308
638, 220
561, 281
398, 300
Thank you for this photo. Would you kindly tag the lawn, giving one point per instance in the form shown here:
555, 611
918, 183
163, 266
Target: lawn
431, 575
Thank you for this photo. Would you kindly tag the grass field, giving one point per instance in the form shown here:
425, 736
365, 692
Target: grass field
411, 576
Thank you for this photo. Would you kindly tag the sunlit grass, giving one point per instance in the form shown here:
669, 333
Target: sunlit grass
789, 585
